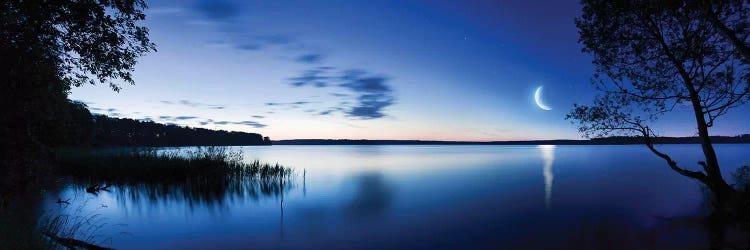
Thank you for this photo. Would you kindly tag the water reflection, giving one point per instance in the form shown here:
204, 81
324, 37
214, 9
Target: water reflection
419, 197
372, 198
197, 192
548, 155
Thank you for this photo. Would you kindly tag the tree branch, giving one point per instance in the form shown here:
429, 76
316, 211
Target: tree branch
672, 164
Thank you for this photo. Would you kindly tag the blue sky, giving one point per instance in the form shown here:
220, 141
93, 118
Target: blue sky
394, 69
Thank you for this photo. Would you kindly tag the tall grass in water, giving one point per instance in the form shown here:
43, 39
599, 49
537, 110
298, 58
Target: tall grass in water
197, 175
73, 231
152, 165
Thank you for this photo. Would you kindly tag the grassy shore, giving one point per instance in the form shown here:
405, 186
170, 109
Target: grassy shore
141, 165
199, 175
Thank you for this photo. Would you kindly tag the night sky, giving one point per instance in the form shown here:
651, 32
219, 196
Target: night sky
401, 69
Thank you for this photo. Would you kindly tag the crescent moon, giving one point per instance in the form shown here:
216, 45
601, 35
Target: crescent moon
538, 99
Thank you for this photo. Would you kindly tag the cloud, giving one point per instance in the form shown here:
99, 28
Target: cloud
374, 94
250, 42
332, 110
164, 10
370, 93
313, 58
193, 104
259, 116
286, 103
249, 46
275, 39
314, 77
217, 10
251, 124
106, 111
185, 117
190, 103
360, 81
177, 118
206, 122
370, 106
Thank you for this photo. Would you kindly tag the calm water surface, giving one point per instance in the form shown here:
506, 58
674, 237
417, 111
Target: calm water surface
530, 197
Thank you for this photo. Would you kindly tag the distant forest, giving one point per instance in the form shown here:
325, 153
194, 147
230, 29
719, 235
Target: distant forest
617, 140
110, 131
78, 127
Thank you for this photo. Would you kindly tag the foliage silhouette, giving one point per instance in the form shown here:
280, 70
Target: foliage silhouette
109, 131
48, 47
654, 57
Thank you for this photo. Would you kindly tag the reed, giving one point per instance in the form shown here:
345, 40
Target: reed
149, 165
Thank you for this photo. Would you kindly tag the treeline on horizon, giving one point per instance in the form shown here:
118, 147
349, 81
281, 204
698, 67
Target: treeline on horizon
110, 131
78, 127
615, 140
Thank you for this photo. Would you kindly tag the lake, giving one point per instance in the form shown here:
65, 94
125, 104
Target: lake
446, 196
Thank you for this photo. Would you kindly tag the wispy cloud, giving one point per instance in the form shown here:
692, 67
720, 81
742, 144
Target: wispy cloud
194, 104
370, 106
217, 10
313, 77
164, 10
225, 16
286, 103
177, 118
253, 124
312, 58
185, 117
370, 92
361, 81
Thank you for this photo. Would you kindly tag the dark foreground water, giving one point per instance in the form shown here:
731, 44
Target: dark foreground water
385, 197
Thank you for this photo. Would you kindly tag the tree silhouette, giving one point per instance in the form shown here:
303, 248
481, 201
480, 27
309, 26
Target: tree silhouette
654, 57
47, 47
729, 17
109, 131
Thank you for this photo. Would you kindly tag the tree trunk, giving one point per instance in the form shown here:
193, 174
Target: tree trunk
716, 182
